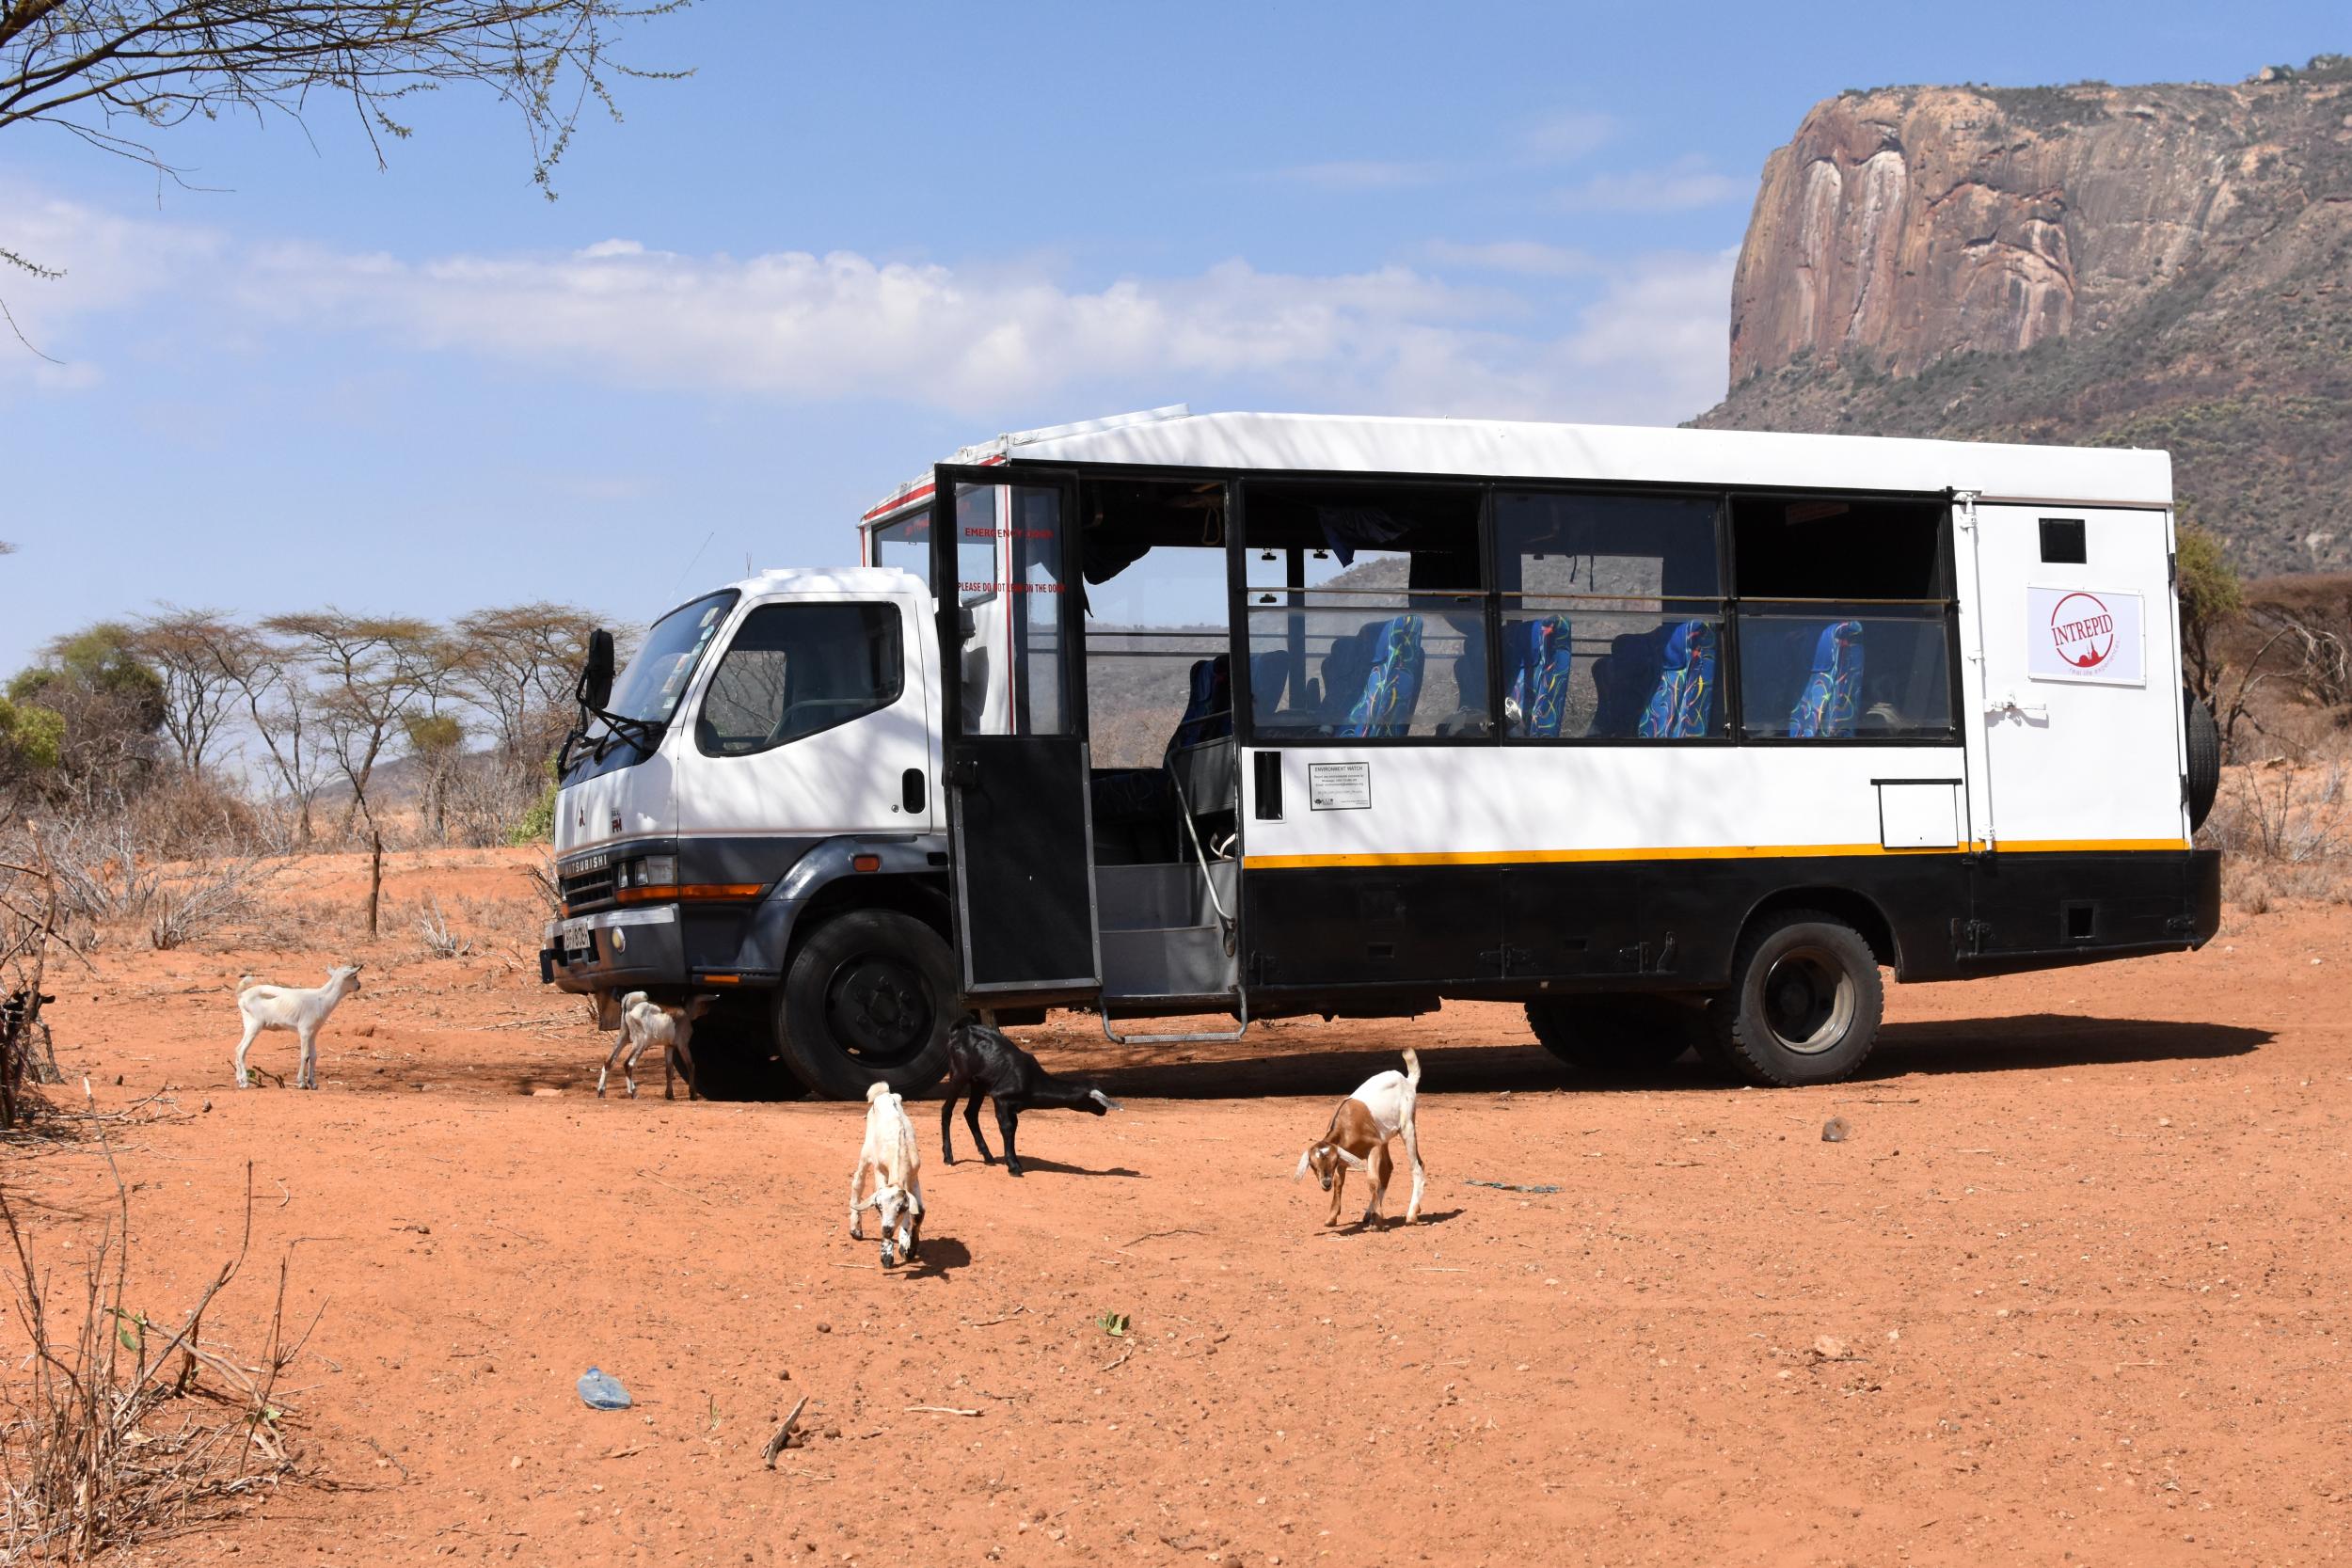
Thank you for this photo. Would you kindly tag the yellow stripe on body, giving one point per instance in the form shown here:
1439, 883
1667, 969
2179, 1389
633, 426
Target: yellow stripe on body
1710, 852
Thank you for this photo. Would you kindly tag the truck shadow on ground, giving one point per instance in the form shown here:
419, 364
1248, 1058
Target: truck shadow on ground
2018, 1043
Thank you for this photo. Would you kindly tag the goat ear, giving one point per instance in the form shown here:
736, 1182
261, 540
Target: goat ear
1306, 1164
1353, 1161
1108, 1104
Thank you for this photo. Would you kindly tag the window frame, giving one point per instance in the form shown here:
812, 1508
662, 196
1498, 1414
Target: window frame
1241, 482
1954, 735
1239, 545
710, 677
1726, 676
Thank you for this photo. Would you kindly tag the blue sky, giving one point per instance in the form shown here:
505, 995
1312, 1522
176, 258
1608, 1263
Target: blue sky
859, 237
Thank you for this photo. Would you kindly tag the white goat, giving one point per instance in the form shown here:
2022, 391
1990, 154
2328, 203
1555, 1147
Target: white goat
891, 1158
646, 1023
302, 1011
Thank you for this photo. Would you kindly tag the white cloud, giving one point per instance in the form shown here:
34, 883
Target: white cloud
1366, 174
1684, 184
798, 327
1565, 136
104, 262
1525, 258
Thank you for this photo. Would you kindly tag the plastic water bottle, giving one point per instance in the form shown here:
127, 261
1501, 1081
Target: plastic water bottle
602, 1391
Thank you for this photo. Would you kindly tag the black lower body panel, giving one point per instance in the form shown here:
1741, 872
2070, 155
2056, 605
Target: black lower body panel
1544, 928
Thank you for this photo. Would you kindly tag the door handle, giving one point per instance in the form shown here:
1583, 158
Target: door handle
911, 790
2033, 714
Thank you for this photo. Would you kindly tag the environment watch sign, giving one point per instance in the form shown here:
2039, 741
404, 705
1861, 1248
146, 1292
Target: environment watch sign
2075, 634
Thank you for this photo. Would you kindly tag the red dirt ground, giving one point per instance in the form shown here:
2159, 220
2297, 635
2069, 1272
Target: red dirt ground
2080, 1265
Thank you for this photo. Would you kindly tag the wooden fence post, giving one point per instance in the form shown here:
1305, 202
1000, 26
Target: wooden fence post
375, 879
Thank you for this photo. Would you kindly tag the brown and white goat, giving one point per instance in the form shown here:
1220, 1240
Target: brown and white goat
891, 1158
667, 1025
1358, 1139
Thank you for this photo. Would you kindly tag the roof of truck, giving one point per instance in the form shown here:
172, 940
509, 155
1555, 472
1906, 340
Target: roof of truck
1510, 448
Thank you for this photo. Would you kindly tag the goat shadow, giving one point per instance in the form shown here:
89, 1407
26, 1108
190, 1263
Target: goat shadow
940, 1256
1388, 1222
1031, 1162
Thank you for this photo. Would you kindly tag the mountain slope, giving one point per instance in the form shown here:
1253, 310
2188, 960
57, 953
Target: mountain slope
2160, 266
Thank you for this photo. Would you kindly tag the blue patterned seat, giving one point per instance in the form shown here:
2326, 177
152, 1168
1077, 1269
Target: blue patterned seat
1685, 698
1540, 661
1392, 685
1825, 709
1209, 711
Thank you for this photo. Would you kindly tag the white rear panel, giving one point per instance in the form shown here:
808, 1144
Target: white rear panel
2077, 732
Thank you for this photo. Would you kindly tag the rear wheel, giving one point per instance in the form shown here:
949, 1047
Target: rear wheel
2204, 759
869, 996
1614, 1035
1804, 1003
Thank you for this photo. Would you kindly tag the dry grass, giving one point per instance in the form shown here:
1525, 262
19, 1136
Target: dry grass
440, 939
2285, 832
121, 1427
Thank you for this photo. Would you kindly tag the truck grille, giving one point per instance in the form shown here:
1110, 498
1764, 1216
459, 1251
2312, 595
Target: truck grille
587, 889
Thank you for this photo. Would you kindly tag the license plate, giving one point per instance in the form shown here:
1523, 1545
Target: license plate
577, 939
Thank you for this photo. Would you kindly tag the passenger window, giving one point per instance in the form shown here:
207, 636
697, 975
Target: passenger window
1367, 612
1844, 615
1611, 617
906, 544
795, 670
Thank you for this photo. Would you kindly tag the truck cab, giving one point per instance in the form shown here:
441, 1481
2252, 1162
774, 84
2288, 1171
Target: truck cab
770, 742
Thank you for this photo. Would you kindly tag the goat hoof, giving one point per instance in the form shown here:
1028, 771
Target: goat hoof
1012, 1169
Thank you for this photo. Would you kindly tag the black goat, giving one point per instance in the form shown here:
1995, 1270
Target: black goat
982, 1062
24, 1040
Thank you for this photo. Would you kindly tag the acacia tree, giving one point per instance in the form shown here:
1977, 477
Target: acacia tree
275, 688
372, 672
204, 661
516, 663
118, 72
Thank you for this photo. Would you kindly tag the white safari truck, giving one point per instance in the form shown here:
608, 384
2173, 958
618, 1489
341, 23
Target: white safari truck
1678, 738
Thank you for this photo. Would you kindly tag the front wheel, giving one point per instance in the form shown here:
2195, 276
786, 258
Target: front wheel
869, 996
1804, 1002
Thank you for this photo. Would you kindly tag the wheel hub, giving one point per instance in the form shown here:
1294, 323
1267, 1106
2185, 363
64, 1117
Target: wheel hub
878, 1009
1808, 1001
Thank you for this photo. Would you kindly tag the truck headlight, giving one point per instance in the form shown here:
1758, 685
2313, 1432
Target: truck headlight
657, 871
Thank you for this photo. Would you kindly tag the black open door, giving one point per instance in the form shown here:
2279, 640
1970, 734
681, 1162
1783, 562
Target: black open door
1012, 637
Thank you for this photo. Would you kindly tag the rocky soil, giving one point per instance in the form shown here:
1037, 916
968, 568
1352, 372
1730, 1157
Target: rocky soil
2072, 1290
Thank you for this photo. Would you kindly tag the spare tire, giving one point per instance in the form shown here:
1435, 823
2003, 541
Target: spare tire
2204, 760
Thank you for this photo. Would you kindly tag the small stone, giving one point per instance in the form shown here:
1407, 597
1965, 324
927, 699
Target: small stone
1834, 1130
824, 1328
208, 1104
516, 1462
1829, 1347
782, 1375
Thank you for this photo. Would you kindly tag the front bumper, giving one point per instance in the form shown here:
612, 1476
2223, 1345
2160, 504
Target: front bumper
624, 949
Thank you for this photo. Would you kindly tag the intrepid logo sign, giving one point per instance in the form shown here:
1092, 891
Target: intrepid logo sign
2083, 629
2072, 634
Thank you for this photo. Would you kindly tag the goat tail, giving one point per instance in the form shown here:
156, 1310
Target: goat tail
1412, 1068
246, 983
874, 1094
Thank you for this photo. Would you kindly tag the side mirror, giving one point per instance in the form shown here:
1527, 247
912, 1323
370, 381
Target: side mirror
596, 676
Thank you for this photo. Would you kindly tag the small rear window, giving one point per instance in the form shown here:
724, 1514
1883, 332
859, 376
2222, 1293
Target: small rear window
2062, 542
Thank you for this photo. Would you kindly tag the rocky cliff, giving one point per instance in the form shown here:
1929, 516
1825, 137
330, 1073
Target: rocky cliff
2165, 265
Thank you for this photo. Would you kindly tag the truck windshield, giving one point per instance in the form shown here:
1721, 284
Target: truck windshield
650, 688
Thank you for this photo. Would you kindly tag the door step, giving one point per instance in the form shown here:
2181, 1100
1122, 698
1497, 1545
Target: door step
1168, 961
